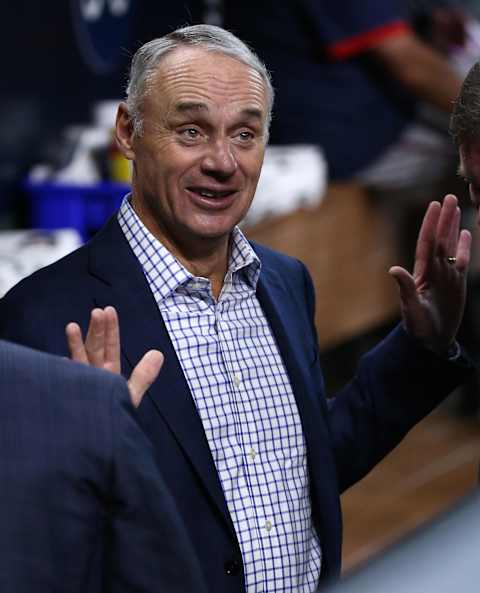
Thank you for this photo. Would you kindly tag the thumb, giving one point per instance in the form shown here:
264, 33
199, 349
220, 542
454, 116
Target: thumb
144, 374
405, 283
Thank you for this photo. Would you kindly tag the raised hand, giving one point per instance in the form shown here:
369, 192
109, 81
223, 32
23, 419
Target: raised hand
101, 349
433, 298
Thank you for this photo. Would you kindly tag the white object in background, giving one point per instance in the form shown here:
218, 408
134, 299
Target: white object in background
105, 113
83, 169
92, 140
292, 177
24, 252
88, 142
462, 58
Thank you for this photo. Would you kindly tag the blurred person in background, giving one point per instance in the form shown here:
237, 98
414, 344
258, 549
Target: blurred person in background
465, 130
83, 506
349, 77
254, 455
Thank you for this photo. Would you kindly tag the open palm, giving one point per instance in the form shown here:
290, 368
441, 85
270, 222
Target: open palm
433, 297
101, 349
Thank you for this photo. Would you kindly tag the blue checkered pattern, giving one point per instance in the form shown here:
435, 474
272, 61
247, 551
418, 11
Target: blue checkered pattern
243, 396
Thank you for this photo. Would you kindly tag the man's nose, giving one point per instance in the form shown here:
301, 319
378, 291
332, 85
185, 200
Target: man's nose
219, 160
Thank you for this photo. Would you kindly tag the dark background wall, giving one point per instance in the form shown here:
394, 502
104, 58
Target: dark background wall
58, 58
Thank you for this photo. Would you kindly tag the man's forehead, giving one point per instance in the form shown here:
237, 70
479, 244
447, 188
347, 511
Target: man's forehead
199, 66
197, 82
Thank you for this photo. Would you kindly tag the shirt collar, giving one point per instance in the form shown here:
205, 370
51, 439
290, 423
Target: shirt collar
165, 271
243, 258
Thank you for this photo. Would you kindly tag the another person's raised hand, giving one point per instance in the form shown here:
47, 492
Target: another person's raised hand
433, 298
101, 349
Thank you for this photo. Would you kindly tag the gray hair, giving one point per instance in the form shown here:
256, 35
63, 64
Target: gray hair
209, 37
465, 119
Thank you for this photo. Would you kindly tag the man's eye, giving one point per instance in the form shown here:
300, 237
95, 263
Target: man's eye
190, 133
245, 135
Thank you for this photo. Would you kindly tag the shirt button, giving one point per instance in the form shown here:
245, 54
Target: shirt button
252, 454
232, 567
268, 526
236, 380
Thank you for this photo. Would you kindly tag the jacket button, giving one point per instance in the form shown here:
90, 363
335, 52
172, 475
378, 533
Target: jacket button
232, 567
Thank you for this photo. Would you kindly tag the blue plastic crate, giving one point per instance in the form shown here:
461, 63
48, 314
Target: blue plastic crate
84, 208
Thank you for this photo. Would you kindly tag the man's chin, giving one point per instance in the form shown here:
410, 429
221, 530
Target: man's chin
215, 227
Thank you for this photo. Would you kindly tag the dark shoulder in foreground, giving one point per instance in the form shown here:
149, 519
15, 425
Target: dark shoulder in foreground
21, 363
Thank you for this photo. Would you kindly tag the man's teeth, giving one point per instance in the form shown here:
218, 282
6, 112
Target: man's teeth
211, 194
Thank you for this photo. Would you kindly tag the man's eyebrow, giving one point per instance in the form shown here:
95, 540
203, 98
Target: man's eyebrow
185, 106
252, 112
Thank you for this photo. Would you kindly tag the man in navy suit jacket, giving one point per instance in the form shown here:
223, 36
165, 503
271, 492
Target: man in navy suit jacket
83, 506
254, 455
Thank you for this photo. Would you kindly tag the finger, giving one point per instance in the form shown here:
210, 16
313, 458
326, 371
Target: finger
425, 250
452, 242
144, 374
406, 285
75, 343
112, 341
95, 340
448, 227
463, 251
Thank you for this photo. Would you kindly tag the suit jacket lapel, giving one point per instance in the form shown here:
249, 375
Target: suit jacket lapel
291, 340
123, 285
290, 335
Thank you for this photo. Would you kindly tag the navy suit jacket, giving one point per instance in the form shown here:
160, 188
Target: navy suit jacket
397, 384
83, 507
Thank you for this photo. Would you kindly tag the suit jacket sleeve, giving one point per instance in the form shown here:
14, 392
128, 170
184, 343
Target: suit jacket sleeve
397, 384
83, 507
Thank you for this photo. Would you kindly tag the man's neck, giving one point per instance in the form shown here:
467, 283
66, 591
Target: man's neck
202, 257
211, 265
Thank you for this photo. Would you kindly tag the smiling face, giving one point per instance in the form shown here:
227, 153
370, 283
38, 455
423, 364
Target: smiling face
470, 169
197, 163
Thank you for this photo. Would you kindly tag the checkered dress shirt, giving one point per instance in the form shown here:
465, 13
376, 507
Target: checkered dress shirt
245, 401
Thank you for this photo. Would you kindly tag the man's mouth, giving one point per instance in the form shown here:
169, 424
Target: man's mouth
211, 194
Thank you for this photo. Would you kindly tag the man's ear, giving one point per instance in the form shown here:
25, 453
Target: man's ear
124, 132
